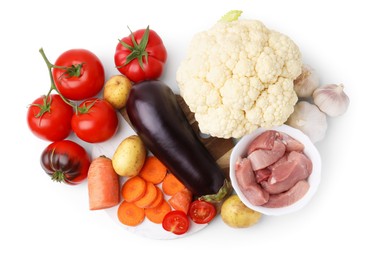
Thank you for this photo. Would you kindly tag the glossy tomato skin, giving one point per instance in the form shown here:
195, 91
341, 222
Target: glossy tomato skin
54, 124
202, 212
65, 161
90, 80
177, 222
157, 55
98, 124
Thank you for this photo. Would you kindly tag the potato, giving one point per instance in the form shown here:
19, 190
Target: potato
116, 91
129, 156
235, 214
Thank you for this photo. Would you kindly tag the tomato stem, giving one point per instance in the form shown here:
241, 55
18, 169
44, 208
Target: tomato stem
85, 108
58, 176
50, 66
138, 50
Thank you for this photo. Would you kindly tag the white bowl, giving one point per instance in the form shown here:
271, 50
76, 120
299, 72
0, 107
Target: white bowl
310, 150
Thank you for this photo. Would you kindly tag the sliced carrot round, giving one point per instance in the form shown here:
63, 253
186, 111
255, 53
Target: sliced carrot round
158, 200
133, 189
171, 185
153, 170
129, 214
157, 214
149, 196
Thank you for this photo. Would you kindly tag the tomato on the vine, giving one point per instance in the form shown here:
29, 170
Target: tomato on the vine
202, 212
49, 118
141, 55
176, 221
65, 161
95, 121
78, 74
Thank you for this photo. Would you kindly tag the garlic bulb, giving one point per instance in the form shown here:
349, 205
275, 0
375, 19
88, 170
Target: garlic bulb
310, 120
306, 82
331, 99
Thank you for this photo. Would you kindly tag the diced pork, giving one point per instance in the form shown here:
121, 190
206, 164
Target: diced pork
283, 159
291, 143
244, 173
262, 175
263, 158
256, 195
289, 197
302, 159
275, 172
263, 141
246, 181
285, 176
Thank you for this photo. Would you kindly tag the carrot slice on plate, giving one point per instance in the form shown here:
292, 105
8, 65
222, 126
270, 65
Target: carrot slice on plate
158, 200
149, 196
171, 185
153, 170
129, 214
133, 189
157, 214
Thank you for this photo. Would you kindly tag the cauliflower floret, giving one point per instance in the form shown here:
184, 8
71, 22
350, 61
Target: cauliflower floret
238, 76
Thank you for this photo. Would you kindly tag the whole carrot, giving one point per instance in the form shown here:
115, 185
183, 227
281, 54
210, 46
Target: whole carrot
103, 184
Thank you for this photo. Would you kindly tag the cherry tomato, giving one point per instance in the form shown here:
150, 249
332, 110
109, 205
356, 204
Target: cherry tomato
202, 212
49, 118
176, 221
96, 121
65, 161
141, 55
78, 74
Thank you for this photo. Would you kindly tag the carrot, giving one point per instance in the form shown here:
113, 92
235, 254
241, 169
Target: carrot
171, 185
133, 189
181, 200
103, 184
129, 214
149, 196
157, 214
158, 200
153, 170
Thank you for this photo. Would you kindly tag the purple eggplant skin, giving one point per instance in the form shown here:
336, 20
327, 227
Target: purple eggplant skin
159, 121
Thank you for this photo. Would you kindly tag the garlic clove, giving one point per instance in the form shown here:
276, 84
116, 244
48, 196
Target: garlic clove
306, 82
331, 99
310, 120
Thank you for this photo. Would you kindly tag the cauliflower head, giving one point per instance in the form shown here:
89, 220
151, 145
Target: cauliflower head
238, 76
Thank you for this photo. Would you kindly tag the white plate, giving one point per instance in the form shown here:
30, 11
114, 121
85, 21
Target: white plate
147, 228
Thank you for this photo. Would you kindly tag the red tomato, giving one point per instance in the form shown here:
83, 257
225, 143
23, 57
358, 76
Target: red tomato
78, 74
49, 118
176, 221
65, 161
141, 55
202, 212
96, 121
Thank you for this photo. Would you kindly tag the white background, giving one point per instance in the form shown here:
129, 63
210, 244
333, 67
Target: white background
45, 220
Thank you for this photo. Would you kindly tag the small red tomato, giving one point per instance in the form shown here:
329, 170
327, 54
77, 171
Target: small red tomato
65, 161
49, 118
202, 212
141, 55
95, 121
78, 74
176, 221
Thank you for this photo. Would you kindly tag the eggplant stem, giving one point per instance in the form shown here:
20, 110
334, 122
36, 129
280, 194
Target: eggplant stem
223, 193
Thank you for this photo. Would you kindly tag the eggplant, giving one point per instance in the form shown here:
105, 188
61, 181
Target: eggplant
157, 118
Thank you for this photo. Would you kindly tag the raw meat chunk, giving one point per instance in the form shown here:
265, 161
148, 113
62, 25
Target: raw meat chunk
289, 197
263, 158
